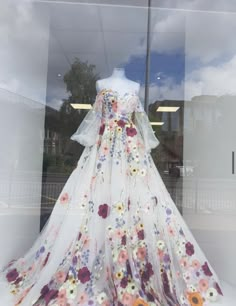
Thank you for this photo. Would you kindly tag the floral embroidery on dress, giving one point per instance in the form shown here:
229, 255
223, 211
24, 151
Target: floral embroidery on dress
124, 242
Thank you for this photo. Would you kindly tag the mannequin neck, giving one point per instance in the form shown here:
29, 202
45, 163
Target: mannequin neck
118, 73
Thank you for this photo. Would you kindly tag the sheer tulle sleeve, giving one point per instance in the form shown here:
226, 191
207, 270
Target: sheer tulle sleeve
88, 130
143, 125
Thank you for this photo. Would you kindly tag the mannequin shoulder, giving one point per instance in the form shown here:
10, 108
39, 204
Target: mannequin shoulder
133, 86
136, 87
99, 85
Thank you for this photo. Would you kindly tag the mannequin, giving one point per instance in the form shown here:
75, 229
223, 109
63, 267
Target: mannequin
118, 82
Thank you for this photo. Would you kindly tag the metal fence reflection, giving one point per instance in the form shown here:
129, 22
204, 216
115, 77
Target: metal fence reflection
195, 195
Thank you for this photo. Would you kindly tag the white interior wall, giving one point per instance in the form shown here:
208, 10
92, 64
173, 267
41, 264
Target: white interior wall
209, 127
23, 80
213, 186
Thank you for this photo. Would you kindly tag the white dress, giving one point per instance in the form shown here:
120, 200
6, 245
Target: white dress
115, 236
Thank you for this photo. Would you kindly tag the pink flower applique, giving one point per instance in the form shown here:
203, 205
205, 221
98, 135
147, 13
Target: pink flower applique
64, 199
123, 256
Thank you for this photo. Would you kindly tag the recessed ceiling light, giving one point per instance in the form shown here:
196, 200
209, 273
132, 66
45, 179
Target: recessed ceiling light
158, 78
167, 108
156, 123
59, 75
81, 106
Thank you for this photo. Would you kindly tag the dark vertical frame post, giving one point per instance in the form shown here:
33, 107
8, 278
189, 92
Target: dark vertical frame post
232, 162
147, 58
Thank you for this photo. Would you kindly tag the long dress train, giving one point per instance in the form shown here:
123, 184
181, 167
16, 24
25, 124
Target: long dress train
115, 236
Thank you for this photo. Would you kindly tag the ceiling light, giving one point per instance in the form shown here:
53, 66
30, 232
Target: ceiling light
81, 106
59, 75
167, 108
156, 123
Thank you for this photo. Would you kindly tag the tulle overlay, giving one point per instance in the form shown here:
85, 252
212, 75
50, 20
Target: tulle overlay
115, 237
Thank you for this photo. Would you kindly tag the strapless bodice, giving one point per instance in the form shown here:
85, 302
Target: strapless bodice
116, 106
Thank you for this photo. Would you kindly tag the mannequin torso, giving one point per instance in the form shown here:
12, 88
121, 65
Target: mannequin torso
118, 82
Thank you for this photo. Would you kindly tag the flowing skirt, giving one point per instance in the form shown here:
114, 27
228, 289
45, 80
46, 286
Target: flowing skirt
115, 237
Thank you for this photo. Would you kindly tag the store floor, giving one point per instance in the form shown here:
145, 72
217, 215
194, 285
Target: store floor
229, 295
